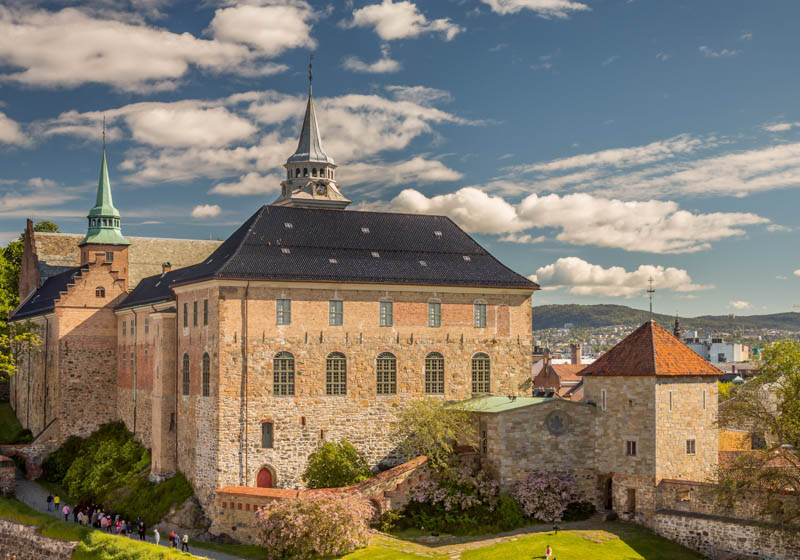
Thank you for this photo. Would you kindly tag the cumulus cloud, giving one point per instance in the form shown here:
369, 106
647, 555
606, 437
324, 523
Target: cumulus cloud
780, 127
384, 65
778, 228
38, 196
206, 211
708, 52
543, 8
421, 95
250, 184
415, 170
401, 20
10, 132
583, 219
72, 46
797, 272
580, 277
739, 304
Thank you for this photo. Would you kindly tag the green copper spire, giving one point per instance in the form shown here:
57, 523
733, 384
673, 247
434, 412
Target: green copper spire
104, 219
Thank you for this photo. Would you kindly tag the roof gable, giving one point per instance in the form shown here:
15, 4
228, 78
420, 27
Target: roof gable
650, 350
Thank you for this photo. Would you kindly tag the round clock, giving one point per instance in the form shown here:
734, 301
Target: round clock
322, 189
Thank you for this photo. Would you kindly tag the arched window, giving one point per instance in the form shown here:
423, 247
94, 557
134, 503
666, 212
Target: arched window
99, 291
313, 171
283, 374
206, 375
480, 373
386, 372
434, 373
336, 374
186, 374
305, 172
297, 172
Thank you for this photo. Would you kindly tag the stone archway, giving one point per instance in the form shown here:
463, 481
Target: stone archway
265, 478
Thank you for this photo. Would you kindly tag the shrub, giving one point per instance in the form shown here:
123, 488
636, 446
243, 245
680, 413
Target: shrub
55, 466
578, 511
544, 495
308, 527
334, 465
391, 520
509, 514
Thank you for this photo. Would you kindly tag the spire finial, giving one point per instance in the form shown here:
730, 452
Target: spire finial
310, 69
650, 291
104, 133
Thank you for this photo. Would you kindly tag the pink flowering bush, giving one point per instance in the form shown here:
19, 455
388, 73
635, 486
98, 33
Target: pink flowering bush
545, 495
308, 527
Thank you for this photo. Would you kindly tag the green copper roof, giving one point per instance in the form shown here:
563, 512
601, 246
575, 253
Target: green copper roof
104, 219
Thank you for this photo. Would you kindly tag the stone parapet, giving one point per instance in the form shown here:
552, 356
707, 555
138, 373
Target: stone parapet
24, 542
8, 487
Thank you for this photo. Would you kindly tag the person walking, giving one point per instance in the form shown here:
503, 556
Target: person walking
156, 536
172, 537
185, 543
142, 531
65, 511
56, 502
177, 540
49, 502
548, 552
94, 520
75, 513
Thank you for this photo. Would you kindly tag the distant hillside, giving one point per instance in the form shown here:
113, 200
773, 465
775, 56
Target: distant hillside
582, 316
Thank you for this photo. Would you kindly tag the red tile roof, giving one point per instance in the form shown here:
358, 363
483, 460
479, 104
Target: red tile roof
568, 372
651, 350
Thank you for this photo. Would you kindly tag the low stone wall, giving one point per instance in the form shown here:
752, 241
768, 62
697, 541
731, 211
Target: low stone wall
723, 538
8, 485
26, 544
35, 452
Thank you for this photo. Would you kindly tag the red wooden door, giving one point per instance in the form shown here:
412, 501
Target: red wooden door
264, 479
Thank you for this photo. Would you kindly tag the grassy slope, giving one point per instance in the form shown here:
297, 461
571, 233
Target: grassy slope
9, 425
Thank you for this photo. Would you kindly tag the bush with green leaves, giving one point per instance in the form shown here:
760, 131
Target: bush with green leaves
335, 465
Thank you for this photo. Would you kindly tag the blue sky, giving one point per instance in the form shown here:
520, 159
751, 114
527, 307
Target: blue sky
590, 144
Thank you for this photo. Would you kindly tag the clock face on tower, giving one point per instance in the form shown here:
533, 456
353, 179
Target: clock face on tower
322, 189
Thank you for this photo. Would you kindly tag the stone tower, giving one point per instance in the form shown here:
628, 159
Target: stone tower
104, 241
310, 171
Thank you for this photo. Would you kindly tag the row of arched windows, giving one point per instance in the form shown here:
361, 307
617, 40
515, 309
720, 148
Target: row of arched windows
385, 374
322, 172
103, 222
206, 374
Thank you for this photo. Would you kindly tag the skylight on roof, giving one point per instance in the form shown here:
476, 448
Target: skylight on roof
332, 261
209, 261
158, 284
467, 258
285, 250
423, 263
364, 230
288, 225
376, 254
437, 233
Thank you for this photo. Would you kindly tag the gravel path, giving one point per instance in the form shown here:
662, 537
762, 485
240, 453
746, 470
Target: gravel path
35, 496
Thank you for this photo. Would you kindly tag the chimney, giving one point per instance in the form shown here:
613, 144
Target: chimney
548, 357
166, 266
29, 275
575, 351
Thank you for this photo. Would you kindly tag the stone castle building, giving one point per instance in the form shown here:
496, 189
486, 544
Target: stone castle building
312, 323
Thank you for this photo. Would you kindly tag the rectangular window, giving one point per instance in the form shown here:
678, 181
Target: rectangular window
124, 327
630, 448
386, 314
480, 315
704, 400
109, 256
670, 401
124, 359
185, 314
603, 400
721, 358
131, 359
266, 435
133, 327
335, 313
146, 325
283, 311
194, 313
434, 314
205, 312
690, 447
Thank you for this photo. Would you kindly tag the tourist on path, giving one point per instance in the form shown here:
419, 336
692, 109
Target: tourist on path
49, 502
56, 501
156, 536
177, 540
548, 552
65, 511
185, 543
142, 530
172, 537
75, 513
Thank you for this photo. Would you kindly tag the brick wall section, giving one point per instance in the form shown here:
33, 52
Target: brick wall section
29, 274
8, 486
26, 544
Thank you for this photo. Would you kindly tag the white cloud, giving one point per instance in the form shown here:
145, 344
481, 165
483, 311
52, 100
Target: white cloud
739, 304
778, 228
780, 127
796, 272
708, 52
38, 197
250, 184
781, 277
663, 57
384, 65
583, 278
498, 47
10, 132
71, 47
416, 170
609, 60
543, 8
206, 211
582, 219
421, 95
746, 36
401, 20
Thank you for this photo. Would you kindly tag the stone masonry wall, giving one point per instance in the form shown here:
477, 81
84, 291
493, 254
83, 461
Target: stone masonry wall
26, 544
8, 486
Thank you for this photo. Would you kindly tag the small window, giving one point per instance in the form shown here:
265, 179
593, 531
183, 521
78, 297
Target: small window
185, 314
266, 435
335, 315
288, 225
690, 447
313, 171
100, 292
305, 172
480, 373
386, 373
603, 400
704, 400
434, 374
376, 255
670, 401
721, 358
467, 258
283, 311
283, 374
124, 359
386, 314
630, 448
364, 230
205, 312
146, 325
286, 250
437, 233
131, 358
434, 314
423, 263
194, 313
133, 327
332, 261
206, 375
480, 315
109, 256
336, 374
297, 172
124, 326
186, 374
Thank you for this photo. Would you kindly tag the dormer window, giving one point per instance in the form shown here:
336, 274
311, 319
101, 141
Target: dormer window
364, 230
100, 292
437, 233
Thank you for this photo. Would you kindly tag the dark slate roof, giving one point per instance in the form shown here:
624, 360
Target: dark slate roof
43, 300
320, 245
48, 270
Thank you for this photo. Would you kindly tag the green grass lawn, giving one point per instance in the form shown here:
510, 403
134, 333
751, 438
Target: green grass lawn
10, 427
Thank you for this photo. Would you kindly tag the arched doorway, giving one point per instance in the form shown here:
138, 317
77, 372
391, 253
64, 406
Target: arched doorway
264, 478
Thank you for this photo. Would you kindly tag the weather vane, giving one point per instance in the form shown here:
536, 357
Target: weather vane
310, 75
650, 291
104, 133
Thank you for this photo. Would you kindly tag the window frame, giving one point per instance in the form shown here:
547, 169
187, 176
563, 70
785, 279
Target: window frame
283, 311
100, 292
386, 374
185, 314
335, 313
481, 377
146, 325
267, 429
205, 312
206, 379
385, 313
283, 377
479, 314
434, 374
691, 446
336, 374
603, 400
186, 375
194, 313
435, 314
109, 256
124, 328
630, 448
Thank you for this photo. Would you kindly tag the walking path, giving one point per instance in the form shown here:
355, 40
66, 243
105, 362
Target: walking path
35, 496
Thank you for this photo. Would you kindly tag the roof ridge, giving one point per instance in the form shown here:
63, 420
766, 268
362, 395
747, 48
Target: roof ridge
653, 346
259, 213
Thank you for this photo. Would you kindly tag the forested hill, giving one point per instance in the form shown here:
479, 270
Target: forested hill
582, 316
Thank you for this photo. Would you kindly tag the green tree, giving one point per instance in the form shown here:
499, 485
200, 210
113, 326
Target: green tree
768, 404
335, 465
19, 340
430, 427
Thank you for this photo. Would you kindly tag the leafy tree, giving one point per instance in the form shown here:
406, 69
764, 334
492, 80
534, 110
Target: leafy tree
768, 404
334, 465
17, 340
430, 427
724, 390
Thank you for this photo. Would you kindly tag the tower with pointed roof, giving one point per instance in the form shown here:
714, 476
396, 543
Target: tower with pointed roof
310, 171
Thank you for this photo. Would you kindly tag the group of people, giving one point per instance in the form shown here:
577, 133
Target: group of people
96, 517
